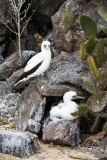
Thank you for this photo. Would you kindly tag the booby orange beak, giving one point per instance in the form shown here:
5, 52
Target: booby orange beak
47, 47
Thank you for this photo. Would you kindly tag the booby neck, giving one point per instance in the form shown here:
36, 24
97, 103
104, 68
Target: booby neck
45, 48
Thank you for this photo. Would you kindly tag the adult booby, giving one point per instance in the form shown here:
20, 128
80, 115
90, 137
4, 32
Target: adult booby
64, 110
38, 64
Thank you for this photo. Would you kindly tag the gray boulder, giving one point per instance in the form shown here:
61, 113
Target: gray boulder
18, 143
62, 133
68, 69
69, 40
12, 63
8, 105
30, 109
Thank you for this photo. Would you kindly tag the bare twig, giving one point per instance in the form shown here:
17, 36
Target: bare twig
18, 17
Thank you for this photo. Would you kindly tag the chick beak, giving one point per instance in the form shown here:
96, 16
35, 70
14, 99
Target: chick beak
78, 97
47, 47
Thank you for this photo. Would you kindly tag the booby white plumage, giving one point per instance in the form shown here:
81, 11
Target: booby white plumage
64, 110
38, 64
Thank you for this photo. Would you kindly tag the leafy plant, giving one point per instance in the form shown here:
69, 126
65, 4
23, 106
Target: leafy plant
68, 20
81, 110
89, 85
88, 25
19, 20
92, 49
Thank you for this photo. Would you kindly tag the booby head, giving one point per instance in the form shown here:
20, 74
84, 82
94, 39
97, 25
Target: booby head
71, 95
45, 46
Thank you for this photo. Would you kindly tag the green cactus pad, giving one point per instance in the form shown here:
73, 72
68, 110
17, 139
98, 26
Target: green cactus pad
104, 29
97, 102
92, 65
103, 14
90, 45
101, 57
89, 85
68, 20
82, 51
81, 110
88, 26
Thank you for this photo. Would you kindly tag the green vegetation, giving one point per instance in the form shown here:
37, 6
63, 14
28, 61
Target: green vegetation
92, 50
3, 121
68, 20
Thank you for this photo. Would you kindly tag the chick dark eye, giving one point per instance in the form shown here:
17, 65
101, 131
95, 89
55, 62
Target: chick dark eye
74, 97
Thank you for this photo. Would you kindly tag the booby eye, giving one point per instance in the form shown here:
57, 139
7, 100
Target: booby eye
73, 97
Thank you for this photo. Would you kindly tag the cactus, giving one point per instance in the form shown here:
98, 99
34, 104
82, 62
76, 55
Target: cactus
101, 57
103, 14
92, 66
97, 102
89, 85
104, 29
90, 45
88, 26
68, 20
82, 51
81, 110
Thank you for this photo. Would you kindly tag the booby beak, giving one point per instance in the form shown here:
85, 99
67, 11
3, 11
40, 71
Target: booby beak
77, 97
47, 47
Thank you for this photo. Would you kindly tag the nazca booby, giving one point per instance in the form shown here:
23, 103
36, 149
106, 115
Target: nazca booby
38, 64
63, 110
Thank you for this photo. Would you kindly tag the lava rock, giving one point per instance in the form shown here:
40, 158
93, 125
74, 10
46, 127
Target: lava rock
68, 69
62, 133
8, 105
13, 62
5, 88
30, 109
75, 35
18, 143
52, 90
44, 10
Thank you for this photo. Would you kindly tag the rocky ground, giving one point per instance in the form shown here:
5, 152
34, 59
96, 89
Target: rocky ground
53, 152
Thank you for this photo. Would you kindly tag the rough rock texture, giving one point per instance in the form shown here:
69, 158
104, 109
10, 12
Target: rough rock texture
64, 133
14, 77
13, 62
18, 143
63, 69
45, 9
70, 40
57, 90
67, 70
5, 88
30, 109
52, 90
8, 105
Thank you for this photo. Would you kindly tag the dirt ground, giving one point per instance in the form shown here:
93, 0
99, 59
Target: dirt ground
52, 152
